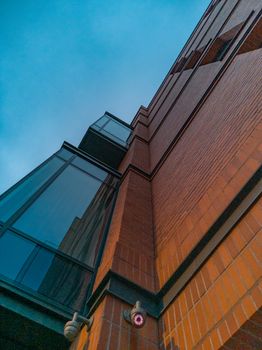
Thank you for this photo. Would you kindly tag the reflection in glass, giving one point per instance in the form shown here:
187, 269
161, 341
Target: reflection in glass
14, 252
66, 282
83, 238
58, 279
37, 270
51, 215
42, 271
90, 168
19, 195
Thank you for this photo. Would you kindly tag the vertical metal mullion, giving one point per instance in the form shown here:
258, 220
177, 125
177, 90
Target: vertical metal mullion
101, 251
102, 127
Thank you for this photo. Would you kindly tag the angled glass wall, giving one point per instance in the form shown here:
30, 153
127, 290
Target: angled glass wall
53, 222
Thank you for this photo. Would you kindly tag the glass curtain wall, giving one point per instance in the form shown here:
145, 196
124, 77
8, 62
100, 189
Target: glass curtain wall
51, 227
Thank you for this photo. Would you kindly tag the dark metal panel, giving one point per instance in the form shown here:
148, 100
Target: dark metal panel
102, 148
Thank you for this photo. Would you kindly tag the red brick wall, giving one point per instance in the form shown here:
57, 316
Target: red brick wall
165, 102
223, 295
130, 247
138, 155
160, 95
249, 336
111, 332
182, 109
225, 14
160, 216
216, 156
242, 11
209, 22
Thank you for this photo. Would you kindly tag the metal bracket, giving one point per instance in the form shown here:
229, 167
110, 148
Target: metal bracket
127, 316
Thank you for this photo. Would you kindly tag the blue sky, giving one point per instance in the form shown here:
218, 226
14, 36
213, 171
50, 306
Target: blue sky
64, 62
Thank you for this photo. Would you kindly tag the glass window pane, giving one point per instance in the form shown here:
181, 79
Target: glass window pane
54, 215
14, 252
19, 195
66, 282
84, 238
90, 168
59, 279
100, 122
96, 127
117, 130
38, 268
65, 154
42, 271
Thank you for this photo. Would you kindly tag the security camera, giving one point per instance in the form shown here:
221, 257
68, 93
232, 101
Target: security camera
73, 327
137, 316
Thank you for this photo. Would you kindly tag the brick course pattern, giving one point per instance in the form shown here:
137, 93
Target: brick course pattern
193, 150
209, 171
223, 295
111, 332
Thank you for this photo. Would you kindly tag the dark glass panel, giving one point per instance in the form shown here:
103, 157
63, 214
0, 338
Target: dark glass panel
60, 207
66, 282
19, 195
38, 268
14, 253
42, 271
90, 168
65, 154
58, 279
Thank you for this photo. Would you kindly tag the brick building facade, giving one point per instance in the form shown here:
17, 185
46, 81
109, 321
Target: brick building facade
185, 234
187, 222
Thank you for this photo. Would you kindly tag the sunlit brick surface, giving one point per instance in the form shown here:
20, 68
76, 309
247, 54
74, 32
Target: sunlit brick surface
223, 295
193, 150
111, 331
